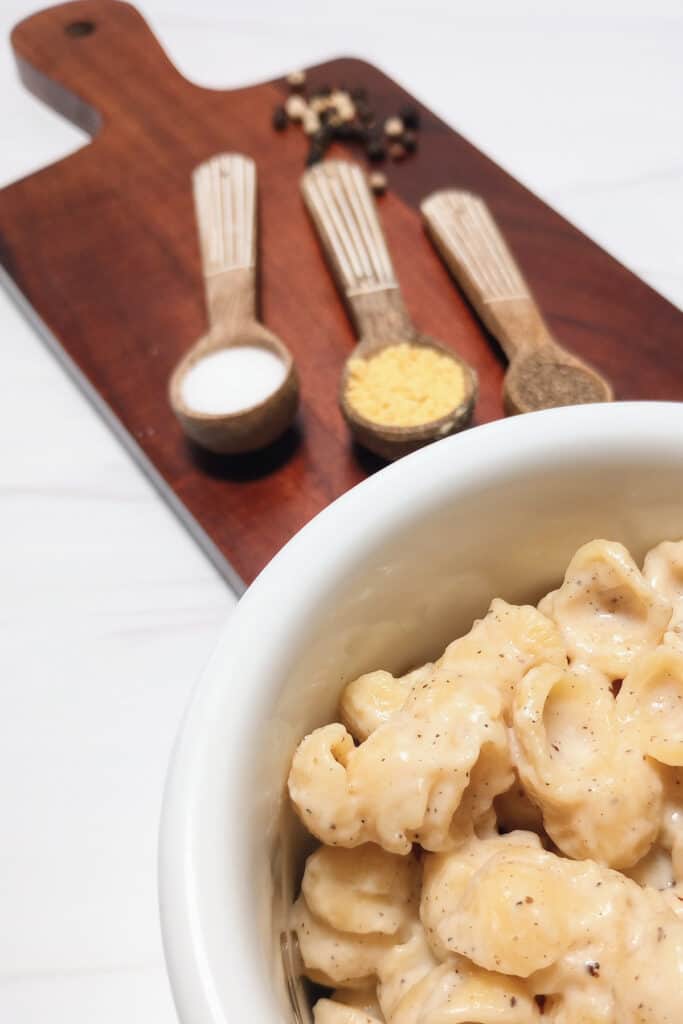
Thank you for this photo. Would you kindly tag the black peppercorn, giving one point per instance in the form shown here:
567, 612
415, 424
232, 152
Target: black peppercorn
323, 137
411, 117
375, 150
320, 140
409, 141
366, 115
315, 155
280, 119
296, 80
350, 132
394, 128
377, 181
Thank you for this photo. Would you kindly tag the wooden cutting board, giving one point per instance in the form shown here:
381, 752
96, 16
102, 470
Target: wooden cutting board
102, 248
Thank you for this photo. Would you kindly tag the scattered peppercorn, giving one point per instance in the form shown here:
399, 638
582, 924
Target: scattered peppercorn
377, 181
375, 150
323, 137
346, 110
310, 121
327, 114
296, 107
365, 113
319, 143
280, 119
296, 80
409, 141
411, 117
393, 128
315, 155
320, 103
397, 151
349, 132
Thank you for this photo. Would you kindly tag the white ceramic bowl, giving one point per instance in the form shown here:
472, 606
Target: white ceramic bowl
384, 577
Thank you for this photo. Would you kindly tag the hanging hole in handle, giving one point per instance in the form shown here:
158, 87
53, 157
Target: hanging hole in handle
78, 29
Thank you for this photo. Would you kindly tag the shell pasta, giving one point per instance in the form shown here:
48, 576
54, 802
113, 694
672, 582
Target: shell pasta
502, 829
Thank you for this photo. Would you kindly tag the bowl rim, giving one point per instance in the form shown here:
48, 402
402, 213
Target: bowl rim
486, 450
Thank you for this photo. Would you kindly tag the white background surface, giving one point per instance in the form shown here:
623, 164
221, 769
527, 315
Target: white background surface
107, 609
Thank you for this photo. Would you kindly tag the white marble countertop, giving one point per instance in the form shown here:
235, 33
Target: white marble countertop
108, 610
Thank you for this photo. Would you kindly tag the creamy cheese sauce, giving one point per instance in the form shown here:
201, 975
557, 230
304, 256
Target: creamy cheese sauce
502, 829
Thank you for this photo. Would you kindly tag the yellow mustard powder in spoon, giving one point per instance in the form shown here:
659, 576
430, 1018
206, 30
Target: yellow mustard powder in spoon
405, 385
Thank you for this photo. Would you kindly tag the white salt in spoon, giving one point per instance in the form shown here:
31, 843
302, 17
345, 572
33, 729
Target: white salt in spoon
237, 388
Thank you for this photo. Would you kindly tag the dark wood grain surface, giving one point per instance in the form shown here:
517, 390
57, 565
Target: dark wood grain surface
103, 247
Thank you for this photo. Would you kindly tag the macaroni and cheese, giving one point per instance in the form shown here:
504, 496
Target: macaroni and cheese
502, 829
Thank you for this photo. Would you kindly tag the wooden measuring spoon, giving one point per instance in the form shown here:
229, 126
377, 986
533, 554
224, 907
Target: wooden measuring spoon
541, 373
225, 202
344, 214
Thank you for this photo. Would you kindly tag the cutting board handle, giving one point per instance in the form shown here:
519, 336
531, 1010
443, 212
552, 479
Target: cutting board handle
96, 62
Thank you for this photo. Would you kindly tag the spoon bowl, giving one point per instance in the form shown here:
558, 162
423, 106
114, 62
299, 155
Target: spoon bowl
345, 217
541, 378
225, 203
392, 442
250, 428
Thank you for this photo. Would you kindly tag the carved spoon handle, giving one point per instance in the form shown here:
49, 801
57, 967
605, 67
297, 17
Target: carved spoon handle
470, 243
225, 206
344, 214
